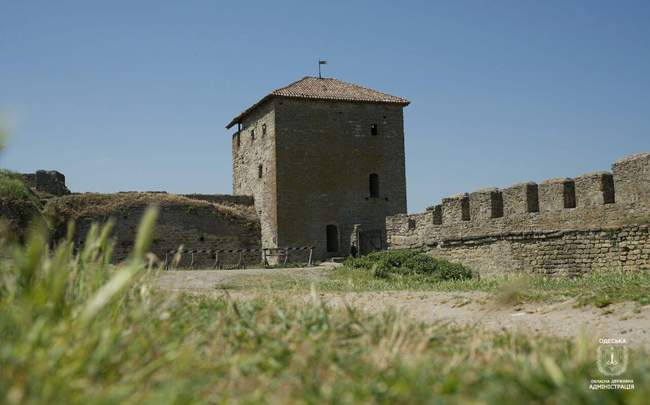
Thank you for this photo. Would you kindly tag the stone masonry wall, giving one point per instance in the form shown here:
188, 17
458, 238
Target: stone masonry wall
567, 226
225, 199
254, 168
325, 155
192, 224
47, 181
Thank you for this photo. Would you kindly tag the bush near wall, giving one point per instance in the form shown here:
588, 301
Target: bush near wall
19, 206
410, 262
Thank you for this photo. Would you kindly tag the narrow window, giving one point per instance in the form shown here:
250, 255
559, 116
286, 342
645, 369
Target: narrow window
497, 205
238, 140
332, 238
259, 171
263, 129
252, 135
373, 181
373, 129
437, 214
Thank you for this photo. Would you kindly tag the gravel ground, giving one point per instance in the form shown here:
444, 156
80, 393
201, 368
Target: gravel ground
564, 319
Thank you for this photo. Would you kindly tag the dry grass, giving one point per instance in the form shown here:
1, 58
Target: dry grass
76, 206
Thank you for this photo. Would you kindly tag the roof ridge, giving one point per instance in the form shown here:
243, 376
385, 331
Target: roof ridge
328, 88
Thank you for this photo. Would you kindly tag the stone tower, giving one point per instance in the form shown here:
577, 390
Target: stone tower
324, 161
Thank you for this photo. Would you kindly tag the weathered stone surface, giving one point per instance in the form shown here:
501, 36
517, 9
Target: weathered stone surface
47, 181
632, 178
576, 230
485, 204
194, 224
317, 157
520, 199
556, 194
455, 209
594, 189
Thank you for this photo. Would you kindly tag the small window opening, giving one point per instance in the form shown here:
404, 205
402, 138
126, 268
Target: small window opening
373, 181
373, 129
260, 171
332, 238
437, 215
263, 129
252, 135
238, 140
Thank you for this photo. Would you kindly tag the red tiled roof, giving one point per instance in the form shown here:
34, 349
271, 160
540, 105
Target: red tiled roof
326, 89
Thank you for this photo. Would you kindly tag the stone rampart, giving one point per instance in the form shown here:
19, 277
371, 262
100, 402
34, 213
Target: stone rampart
225, 199
192, 223
568, 225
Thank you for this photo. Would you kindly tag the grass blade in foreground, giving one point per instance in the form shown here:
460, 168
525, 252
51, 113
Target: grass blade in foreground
146, 346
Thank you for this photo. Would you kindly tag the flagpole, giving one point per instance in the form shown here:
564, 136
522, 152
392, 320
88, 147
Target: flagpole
321, 62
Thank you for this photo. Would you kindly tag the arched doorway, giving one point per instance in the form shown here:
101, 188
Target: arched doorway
332, 238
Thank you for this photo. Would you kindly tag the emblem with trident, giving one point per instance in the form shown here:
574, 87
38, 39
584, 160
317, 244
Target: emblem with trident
612, 359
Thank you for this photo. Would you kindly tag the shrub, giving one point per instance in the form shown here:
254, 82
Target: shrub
12, 187
409, 262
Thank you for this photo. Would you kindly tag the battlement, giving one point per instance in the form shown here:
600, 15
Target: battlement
590, 201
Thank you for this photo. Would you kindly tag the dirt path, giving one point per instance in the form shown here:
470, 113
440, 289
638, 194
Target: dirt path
625, 320
476, 308
202, 280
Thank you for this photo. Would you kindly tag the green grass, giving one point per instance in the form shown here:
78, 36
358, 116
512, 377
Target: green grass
413, 271
599, 288
76, 329
12, 187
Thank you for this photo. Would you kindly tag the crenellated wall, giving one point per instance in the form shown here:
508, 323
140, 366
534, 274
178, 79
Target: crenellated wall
567, 225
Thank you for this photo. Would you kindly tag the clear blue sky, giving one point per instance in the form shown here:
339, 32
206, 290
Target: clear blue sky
134, 95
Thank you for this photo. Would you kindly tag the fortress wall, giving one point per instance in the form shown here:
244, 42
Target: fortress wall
193, 224
254, 167
226, 199
594, 221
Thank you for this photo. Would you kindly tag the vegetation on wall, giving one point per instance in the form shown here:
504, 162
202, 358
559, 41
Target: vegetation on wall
98, 205
13, 188
19, 206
